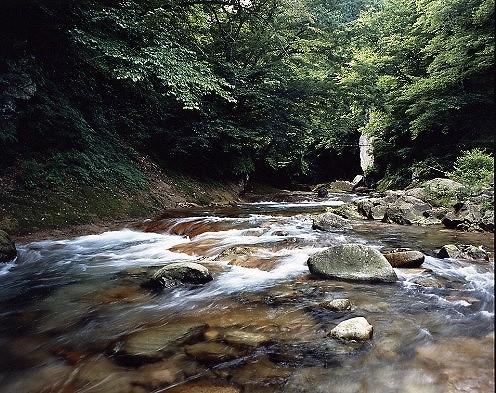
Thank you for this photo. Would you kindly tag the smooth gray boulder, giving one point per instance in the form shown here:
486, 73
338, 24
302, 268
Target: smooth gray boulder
352, 262
8, 250
178, 273
330, 221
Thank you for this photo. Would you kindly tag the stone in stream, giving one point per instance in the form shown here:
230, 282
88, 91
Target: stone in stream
178, 273
353, 329
242, 337
213, 352
352, 262
337, 305
330, 221
463, 251
204, 386
8, 250
166, 372
405, 258
155, 343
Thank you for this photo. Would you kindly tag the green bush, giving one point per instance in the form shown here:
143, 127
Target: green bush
475, 168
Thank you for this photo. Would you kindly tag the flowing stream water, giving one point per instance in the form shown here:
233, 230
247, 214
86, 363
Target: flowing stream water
70, 309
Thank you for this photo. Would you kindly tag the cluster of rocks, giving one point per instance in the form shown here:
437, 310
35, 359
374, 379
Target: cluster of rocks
426, 206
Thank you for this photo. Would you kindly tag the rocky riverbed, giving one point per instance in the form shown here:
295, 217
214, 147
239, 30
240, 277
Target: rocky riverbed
77, 317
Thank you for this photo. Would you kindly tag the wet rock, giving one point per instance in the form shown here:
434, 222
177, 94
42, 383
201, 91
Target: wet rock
321, 380
353, 262
429, 283
213, 352
322, 192
102, 375
256, 262
249, 257
348, 211
177, 274
260, 372
204, 386
242, 337
405, 258
8, 250
51, 377
166, 372
463, 251
353, 329
338, 305
156, 342
476, 352
330, 221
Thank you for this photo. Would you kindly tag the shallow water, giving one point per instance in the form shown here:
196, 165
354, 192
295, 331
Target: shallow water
70, 308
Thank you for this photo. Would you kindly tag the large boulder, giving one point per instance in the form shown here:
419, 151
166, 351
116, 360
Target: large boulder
178, 273
407, 210
330, 221
435, 190
353, 329
8, 250
404, 258
353, 262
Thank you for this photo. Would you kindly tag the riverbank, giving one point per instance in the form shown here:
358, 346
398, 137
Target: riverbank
73, 209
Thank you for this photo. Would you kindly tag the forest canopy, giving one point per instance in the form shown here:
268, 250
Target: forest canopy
279, 90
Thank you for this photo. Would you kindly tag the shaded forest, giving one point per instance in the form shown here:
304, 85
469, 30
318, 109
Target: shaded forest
277, 90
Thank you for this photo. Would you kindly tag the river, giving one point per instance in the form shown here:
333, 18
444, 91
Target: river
71, 309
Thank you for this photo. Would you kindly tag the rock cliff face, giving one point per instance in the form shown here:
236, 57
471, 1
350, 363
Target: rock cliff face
366, 153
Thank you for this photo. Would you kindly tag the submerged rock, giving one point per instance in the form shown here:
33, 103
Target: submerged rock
330, 221
244, 338
353, 329
156, 342
338, 305
405, 258
204, 386
212, 352
178, 273
353, 262
8, 250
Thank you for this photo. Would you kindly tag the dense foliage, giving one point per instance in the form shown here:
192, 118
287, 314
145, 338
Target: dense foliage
276, 89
